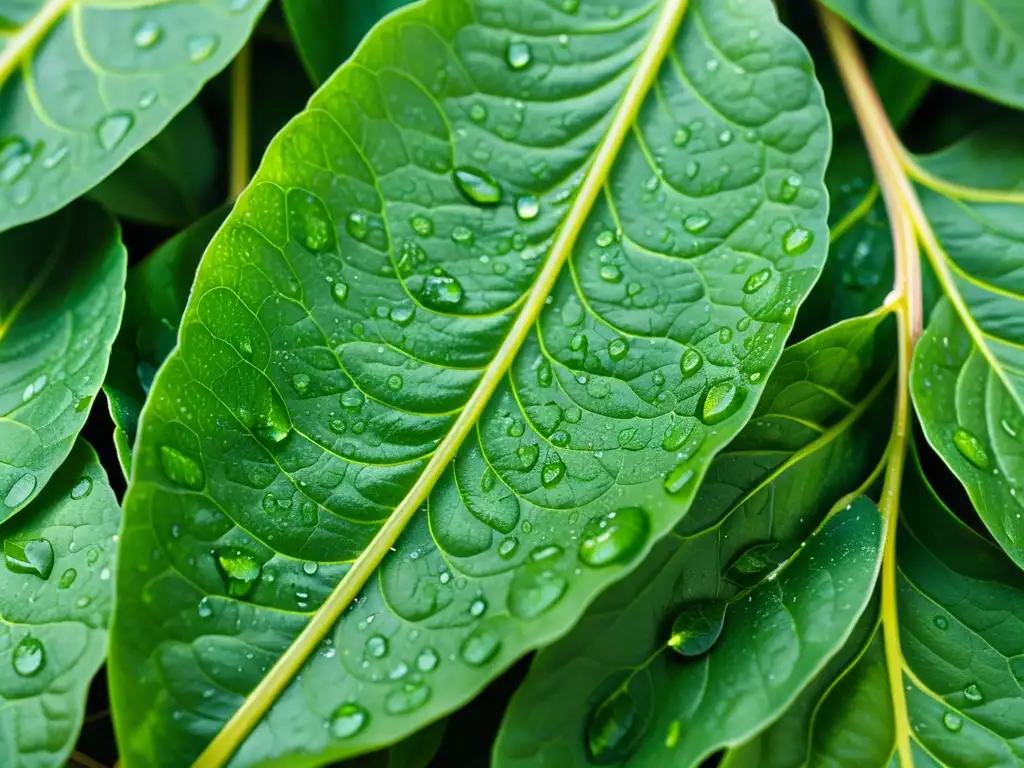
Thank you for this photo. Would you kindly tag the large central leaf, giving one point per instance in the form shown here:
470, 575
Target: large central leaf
504, 288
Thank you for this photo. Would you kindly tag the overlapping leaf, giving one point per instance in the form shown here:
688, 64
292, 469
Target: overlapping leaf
60, 307
84, 85
357, 297
815, 437
961, 614
56, 593
968, 376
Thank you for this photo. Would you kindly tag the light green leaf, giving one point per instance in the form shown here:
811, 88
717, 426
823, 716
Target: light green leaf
386, 329
156, 293
55, 605
170, 181
977, 45
84, 85
968, 373
819, 430
961, 613
327, 32
60, 307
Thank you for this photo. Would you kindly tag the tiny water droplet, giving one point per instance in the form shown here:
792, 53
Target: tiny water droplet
428, 660
613, 537
941, 622
204, 609
518, 54
477, 186
508, 547
15, 157
544, 374
797, 241
678, 479
348, 720
394, 382
82, 488
147, 34
462, 235
605, 238
68, 578
527, 207
339, 291
113, 128
377, 646
409, 697
952, 721
696, 223
310, 568
146, 100
970, 448
790, 187
421, 225
610, 273
973, 693
690, 363
680, 137
301, 383
757, 281
527, 456
722, 401
29, 656
618, 348
201, 47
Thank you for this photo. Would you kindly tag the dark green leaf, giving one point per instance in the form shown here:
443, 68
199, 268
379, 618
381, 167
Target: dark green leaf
84, 85
54, 628
360, 293
61, 298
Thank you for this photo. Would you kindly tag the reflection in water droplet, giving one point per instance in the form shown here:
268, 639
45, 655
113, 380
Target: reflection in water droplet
147, 34
82, 488
29, 656
113, 128
477, 186
201, 47
971, 448
698, 627
479, 647
348, 720
797, 241
21, 490
518, 54
34, 557
722, 401
240, 570
614, 537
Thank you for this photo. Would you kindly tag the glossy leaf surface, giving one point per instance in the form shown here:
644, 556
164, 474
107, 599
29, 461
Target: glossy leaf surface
55, 606
973, 44
353, 306
815, 437
156, 293
60, 307
967, 379
961, 614
84, 85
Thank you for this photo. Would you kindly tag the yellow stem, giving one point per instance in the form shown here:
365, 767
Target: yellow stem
897, 192
224, 744
28, 37
82, 759
241, 82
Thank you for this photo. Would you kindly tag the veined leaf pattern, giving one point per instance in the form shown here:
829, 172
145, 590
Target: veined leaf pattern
83, 85
390, 284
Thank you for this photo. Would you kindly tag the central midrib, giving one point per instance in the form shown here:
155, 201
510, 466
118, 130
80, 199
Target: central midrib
21, 43
223, 745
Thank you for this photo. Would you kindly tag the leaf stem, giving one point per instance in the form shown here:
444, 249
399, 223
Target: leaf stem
25, 40
241, 98
256, 704
887, 159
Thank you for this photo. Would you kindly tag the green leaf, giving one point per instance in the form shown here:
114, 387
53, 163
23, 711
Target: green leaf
385, 329
324, 43
170, 181
54, 628
967, 375
961, 613
818, 432
60, 307
156, 292
977, 45
85, 85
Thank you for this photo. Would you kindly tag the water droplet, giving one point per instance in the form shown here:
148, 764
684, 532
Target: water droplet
478, 113
527, 456
605, 238
614, 537
690, 363
113, 128
544, 374
68, 578
790, 187
613, 728
724, 335
147, 34
515, 428
146, 100
479, 647
441, 291
973, 693
572, 414
82, 488
754, 564
618, 349
559, 438
29, 656
508, 547
757, 281
552, 474
33, 557
348, 720
672, 737
696, 223
394, 382
357, 225
527, 207
970, 448
570, 6
462, 235
339, 291
952, 721
409, 697
201, 47
309, 567
676, 435
240, 569
518, 54
797, 240
428, 660
301, 382
722, 401
941, 622
610, 273
204, 609
697, 627
477, 607
377, 646
477, 186
681, 137
15, 158
21, 490
421, 225
536, 587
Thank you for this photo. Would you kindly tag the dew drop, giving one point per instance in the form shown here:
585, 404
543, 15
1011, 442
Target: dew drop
973, 693
610, 273
147, 34
479, 647
721, 402
675, 436
757, 281
357, 225
612, 729
29, 656
441, 291
679, 479
797, 241
618, 348
411, 696
462, 235
376, 646
204, 609
754, 564
724, 335
201, 47
477, 186
21, 490
952, 722
421, 225
339, 291
527, 207
508, 547
681, 137
34, 557
478, 113
970, 448
67, 578
605, 238
544, 374
428, 660
301, 383
518, 54
941, 622
82, 488
15, 158
394, 382
348, 720
614, 537
690, 363
113, 128
527, 456
552, 474
696, 223
310, 568
146, 100
697, 628
790, 188
240, 570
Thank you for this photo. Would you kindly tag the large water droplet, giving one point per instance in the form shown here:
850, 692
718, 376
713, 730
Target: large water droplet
722, 401
113, 128
697, 627
477, 186
348, 720
240, 569
690, 363
29, 656
518, 54
536, 586
552, 473
479, 647
409, 697
201, 47
757, 281
618, 348
797, 241
21, 490
147, 34
33, 557
441, 292
82, 488
613, 729
614, 537
970, 448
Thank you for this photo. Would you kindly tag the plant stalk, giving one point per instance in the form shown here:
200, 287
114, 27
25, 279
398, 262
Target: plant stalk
241, 108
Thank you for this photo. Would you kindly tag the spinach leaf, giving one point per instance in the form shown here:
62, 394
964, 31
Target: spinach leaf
87, 84
60, 307
498, 322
